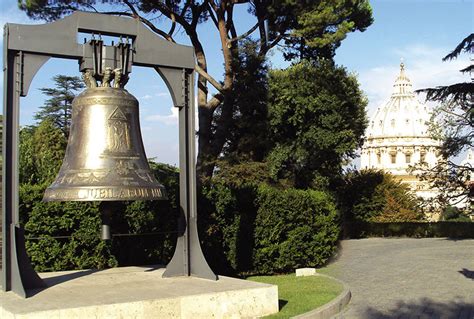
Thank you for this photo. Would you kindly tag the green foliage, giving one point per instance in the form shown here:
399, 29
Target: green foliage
248, 131
148, 228
227, 218
376, 196
58, 108
293, 229
263, 229
317, 121
42, 150
318, 27
65, 235
49, 145
62, 236
449, 229
453, 124
28, 173
454, 214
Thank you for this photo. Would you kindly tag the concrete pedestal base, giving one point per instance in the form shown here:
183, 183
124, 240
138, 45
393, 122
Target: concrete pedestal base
140, 292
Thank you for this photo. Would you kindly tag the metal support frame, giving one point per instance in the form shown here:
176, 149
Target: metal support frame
26, 49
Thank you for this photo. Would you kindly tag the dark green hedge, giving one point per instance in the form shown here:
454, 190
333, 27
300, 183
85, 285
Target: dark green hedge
65, 235
244, 228
416, 230
293, 229
62, 236
265, 230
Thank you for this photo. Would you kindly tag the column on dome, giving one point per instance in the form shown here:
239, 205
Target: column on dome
422, 155
431, 157
400, 157
364, 159
416, 155
373, 158
386, 160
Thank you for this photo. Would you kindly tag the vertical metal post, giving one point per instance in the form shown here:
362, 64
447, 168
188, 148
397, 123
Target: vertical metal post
10, 167
8, 88
188, 259
17, 273
185, 167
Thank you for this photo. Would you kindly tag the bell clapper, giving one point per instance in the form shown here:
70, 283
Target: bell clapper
106, 210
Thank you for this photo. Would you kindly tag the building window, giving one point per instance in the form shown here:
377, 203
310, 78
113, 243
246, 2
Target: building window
408, 158
392, 122
422, 157
393, 157
378, 158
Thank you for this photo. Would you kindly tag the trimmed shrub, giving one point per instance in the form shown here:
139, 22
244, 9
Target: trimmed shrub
227, 219
62, 236
415, 230
293, 228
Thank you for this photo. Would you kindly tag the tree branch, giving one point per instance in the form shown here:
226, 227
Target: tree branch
209, 78
173, 25
465, 45
211, 14
215, 101
267, 48
244, 35
136, 15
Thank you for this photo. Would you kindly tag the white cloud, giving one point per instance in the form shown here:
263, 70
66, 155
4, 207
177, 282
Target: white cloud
424, 67
170, 119
146, 97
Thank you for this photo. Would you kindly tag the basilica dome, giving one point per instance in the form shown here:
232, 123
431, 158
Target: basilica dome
398, 138
402, 115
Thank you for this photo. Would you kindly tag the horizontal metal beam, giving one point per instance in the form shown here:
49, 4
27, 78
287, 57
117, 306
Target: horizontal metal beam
59, 39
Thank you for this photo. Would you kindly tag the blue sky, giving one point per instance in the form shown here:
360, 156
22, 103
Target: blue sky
419, 31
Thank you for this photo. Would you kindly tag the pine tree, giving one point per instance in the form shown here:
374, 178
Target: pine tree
57, 108
454, 125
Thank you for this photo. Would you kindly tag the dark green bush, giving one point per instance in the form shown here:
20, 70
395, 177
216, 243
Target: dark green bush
416, 230
62, 236
293, 228
227, 215
146, 231
454, 214
65, 235
376, 196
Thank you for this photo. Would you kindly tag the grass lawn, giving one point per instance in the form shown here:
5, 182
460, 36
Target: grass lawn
298, 295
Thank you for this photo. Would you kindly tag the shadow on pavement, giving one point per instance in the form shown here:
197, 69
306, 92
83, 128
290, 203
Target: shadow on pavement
425, 308
56, 280
467, 273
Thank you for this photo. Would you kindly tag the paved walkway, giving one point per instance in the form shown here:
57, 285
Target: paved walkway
407, 278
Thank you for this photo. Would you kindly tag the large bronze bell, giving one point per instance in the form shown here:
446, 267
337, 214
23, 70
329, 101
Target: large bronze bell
105, 159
